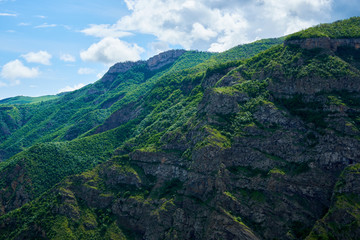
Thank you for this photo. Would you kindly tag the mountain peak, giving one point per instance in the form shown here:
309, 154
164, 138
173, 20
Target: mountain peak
154, 63
164, 58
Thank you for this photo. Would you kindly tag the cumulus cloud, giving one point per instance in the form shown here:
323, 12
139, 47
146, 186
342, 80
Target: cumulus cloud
41, 57
111, 50
67, 58
73, 88
16, 70
213, 24
192, 24
85, 71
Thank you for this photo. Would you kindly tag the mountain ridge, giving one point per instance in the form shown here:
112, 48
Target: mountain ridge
257, 148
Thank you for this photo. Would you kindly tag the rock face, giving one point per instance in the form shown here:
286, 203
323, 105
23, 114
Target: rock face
325, 43
123, 115
163, 59
342, 220
17, 192
304, 79
152, 64
119, 68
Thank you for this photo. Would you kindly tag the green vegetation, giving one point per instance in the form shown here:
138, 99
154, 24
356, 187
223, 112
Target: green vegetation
25, 100
276, 171
247, 50
349, 28
71, 167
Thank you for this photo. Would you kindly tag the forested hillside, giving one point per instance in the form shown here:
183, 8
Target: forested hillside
259, 142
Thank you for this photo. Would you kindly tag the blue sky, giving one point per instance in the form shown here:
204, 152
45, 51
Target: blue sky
47, 47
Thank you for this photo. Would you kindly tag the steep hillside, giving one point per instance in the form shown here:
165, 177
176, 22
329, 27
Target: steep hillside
260, 148
70, 115
121, 102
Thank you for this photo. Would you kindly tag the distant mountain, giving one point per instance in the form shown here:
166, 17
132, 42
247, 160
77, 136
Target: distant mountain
25, 100
259, 142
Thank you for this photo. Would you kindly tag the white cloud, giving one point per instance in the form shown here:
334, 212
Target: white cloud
8, 14
73, 88
158, 47
24, 24
67, 58
2, 84
111, 50
104, 30
295, 15
85, 71
130, 4
200, 32
42, 57
15, 70
46, 25
215, 25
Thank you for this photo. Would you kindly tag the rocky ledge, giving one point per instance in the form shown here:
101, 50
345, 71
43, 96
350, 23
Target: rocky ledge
164, 59
325, 42
152, 64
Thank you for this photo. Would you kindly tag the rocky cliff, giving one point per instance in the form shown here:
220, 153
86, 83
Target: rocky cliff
325, 43
152, 64
163, 59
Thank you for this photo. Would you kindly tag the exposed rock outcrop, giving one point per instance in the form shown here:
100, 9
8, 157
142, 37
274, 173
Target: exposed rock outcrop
17, 190
325, 43
163, 59
152, 64
119, 68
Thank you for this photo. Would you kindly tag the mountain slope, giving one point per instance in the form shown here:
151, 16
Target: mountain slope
121, 102
72, 114
262, 148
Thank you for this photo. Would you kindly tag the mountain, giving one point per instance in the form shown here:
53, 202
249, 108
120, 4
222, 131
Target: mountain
83, 114
259, 142
24, 99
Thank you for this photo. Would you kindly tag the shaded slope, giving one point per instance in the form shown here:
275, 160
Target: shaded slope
342, 220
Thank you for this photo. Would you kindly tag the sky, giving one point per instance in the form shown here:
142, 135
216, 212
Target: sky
48, 47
